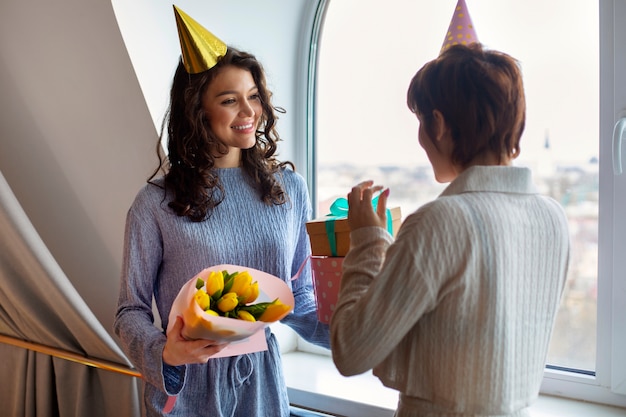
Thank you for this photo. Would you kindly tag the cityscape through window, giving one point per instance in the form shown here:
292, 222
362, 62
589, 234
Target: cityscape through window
364, 129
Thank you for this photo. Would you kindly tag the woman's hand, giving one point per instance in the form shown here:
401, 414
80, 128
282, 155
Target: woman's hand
180, 351
360, 210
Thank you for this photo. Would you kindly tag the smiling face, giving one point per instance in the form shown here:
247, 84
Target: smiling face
233, 108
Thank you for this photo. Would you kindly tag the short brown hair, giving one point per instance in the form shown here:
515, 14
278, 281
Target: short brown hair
480, 94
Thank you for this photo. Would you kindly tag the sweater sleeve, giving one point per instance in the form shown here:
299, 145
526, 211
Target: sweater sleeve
304, 317
134, 325
385, 289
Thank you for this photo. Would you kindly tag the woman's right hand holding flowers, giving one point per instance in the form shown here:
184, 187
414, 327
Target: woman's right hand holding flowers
180, 351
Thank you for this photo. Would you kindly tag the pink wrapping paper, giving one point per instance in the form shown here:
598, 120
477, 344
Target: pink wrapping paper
245, 336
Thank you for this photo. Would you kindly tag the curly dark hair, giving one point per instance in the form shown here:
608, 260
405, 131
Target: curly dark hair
189, 166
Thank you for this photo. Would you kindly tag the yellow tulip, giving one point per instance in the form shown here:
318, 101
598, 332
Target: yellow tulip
203, 299
215, 284
228, 302
244, 315
231, 295
241, 282
251, 293
274, 311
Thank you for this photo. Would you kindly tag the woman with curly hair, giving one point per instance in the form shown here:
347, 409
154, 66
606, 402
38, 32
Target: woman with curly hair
224, 199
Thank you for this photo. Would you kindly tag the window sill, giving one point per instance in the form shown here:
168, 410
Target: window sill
314, 383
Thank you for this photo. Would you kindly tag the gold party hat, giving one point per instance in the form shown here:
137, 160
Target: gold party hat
461, 30
200, 48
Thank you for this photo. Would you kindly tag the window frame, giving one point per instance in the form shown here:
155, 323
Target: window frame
608, 385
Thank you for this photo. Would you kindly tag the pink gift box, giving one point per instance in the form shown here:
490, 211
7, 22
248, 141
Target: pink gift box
326, 282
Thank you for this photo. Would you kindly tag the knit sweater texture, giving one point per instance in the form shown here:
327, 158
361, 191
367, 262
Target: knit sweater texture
457, 313
163, 251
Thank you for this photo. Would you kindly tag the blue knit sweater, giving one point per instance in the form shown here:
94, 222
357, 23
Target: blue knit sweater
163, 251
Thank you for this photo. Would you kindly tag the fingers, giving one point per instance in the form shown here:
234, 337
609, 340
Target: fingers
216, 348
201, 350
381, 208
368, 193
360, 210
356, 194
178, 350
363, 192
210, 350
210, 344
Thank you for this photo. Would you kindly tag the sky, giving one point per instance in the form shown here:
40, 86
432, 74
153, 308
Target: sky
370, 50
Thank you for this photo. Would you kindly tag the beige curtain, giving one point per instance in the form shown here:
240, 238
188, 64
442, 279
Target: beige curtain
39, 305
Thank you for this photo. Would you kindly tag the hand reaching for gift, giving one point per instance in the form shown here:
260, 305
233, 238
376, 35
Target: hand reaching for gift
361, 212
180, 351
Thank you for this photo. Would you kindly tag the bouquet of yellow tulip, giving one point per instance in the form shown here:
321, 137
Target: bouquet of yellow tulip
231, 303
232, 294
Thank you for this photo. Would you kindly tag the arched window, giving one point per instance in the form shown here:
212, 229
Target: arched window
368, 52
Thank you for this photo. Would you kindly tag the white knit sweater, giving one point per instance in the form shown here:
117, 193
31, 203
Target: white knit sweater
457, 313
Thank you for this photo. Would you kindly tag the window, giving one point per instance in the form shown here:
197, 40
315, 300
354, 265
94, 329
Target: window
361, 117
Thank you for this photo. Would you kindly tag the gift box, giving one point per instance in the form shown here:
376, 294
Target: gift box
326, 283
330, 235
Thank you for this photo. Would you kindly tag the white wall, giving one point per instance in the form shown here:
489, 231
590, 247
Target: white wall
76, 136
